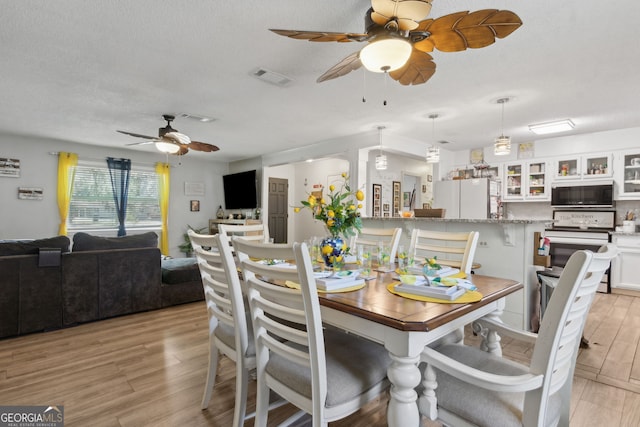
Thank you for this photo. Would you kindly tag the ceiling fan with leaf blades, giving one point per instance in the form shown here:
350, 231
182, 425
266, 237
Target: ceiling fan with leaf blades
402, 25
169, 140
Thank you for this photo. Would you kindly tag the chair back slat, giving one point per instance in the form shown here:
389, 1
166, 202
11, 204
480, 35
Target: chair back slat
253, 232
372, 237
454, 249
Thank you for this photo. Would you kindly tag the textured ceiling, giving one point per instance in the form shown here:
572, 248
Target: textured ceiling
78, 70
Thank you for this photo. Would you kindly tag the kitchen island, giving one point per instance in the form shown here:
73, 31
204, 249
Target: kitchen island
505, 249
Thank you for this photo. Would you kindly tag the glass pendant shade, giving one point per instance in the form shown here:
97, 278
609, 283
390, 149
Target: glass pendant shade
502, 146
167, 147
385, 55
433, 155
381, 162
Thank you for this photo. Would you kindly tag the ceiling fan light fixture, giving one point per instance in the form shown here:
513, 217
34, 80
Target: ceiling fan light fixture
385, 54
502, 146
167, 147
552, 127
178, 137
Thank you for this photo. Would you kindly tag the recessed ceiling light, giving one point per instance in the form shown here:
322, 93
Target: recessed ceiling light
552, 127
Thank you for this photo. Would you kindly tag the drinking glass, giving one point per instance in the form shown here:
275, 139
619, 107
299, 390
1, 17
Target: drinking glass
403, 266
364, 260
384, 259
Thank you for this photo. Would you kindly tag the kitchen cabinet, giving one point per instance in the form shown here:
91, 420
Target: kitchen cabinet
526, 181
590, 166
625, 268
628, 175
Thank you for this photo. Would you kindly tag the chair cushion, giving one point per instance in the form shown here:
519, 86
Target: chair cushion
354, 365
180, 270
31, 247
480, 406
87, 242
226, 334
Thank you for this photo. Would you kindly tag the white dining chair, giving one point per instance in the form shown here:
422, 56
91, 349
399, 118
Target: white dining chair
453, 249
256, 232
326, 373
372, 237
470, 386
230, 329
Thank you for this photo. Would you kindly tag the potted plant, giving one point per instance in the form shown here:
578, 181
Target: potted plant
186, 245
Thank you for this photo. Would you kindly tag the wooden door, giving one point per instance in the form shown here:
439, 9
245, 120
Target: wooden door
277, 209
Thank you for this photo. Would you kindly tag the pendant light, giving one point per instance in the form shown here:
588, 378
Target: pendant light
433, 152
381, 159
502, 144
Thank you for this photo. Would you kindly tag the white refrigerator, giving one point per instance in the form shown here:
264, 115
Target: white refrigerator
475, 198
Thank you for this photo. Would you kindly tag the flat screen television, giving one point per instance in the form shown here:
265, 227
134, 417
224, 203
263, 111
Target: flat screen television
240, 190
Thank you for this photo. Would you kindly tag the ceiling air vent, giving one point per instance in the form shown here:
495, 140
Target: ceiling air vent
271, 77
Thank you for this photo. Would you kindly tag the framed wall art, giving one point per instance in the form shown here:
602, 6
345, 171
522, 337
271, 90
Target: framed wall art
377, 200
396, 198
9, 167
195, 206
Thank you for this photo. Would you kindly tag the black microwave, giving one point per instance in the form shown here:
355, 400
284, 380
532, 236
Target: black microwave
586, 196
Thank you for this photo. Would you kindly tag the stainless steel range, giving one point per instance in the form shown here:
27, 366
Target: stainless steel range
578, 229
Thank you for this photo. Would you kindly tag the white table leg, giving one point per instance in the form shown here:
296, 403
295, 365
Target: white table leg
404, 376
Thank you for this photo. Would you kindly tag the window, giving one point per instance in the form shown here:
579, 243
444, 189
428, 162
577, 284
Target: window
92, 205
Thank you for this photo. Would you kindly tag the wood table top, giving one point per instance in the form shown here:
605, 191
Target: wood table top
374, 302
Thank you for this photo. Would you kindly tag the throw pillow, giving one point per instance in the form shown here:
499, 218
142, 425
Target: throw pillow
32, 247
87, 242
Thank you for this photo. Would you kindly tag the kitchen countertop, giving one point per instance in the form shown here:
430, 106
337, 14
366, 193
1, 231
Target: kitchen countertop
622, 233
477, 221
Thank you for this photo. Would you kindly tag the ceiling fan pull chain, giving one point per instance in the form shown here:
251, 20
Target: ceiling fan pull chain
364, 85
386, 77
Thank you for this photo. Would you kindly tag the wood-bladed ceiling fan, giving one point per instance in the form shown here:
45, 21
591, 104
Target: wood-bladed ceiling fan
169, 140
404, 22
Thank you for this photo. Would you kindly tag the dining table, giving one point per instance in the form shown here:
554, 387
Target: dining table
405, 326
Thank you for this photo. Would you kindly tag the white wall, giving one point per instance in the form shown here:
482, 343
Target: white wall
28, 219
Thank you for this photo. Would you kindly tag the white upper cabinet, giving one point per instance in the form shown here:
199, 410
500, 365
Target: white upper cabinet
588, 166
628, 175
526, 181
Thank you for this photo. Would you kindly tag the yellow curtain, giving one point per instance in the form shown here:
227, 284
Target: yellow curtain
162, 169
67, 163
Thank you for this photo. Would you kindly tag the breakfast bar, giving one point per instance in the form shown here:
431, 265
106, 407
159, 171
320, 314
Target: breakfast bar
505, 249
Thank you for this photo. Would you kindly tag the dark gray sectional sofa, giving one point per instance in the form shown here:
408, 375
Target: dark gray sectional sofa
44, 286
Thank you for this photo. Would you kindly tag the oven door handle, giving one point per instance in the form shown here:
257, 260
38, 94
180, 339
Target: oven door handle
577, 241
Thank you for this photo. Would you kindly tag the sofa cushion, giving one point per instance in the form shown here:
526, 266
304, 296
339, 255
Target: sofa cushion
87, 242
180, 270
32, 247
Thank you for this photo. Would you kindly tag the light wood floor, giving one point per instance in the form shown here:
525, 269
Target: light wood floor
149, 369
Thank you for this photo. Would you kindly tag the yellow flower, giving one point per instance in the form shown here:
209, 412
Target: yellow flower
331, 214
359, 195
330, 223
296, 209
332, 188
359, 205
432, 261
312, 200
327, 249
344, 174
352, 207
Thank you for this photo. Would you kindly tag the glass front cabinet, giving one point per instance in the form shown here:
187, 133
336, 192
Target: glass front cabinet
526, 181
595, 166
628, 175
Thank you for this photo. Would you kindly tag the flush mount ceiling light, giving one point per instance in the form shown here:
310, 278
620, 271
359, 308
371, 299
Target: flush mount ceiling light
552, 127
502, 144
381, 159
385, 55
433, 152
